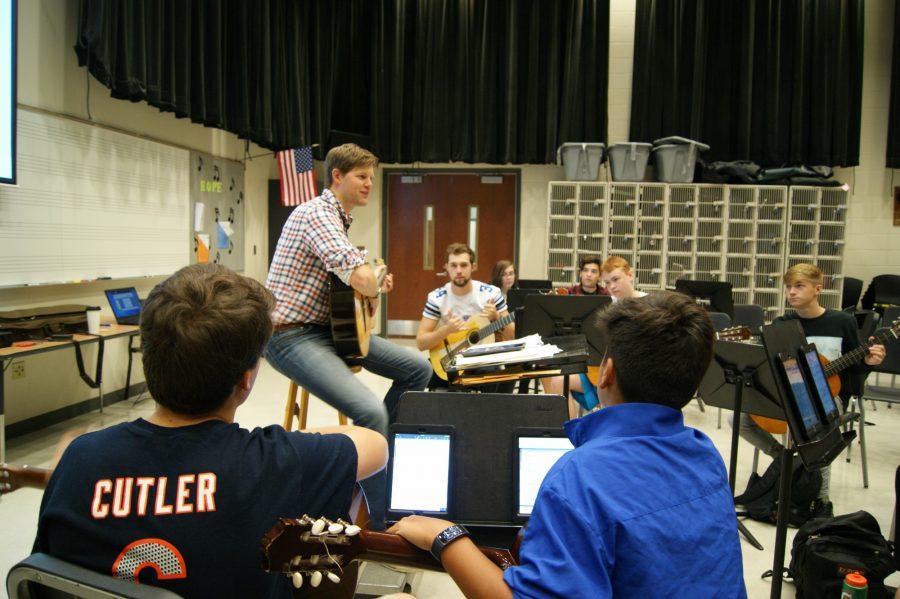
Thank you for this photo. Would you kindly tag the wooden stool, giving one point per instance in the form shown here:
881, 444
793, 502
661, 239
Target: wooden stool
292, 409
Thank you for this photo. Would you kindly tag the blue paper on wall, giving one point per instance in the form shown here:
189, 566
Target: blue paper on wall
223, 238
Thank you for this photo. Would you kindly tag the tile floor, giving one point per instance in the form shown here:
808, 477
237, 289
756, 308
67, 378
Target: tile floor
18, 511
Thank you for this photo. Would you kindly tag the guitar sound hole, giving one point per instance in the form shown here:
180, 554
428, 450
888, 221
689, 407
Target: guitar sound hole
473, 338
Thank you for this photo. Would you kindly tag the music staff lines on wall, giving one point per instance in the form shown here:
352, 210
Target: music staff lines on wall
92, 203
73, 200
125, 147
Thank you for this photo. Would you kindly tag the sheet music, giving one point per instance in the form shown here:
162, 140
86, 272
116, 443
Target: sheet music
535, 349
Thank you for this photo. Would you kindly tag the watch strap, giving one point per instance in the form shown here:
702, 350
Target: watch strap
445, 537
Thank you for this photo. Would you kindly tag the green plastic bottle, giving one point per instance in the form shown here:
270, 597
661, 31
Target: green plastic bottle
855, 586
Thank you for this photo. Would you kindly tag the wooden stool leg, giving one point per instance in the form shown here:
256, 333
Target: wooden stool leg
342, 419
304, 406
290, 408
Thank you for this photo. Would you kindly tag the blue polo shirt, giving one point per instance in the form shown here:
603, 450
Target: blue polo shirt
640, 508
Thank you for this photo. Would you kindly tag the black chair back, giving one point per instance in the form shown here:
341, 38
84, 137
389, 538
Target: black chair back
750, 316
883, 291
720, 320
852, 292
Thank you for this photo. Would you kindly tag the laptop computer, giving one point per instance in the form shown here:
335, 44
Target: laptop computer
125, 304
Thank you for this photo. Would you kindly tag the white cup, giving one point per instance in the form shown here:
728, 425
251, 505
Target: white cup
93, 320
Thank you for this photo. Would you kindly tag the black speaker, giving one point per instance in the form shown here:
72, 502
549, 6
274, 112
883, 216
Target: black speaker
484, 423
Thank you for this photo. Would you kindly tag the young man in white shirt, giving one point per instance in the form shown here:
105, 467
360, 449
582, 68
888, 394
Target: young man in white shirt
449, 308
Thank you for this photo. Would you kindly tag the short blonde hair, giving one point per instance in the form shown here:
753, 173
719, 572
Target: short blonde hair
345, 158
804, 272
614, 262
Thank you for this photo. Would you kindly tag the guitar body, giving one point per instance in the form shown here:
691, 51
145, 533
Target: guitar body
351, 322
457, 339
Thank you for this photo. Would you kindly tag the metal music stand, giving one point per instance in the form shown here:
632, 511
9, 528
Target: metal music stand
787, 337
739, 379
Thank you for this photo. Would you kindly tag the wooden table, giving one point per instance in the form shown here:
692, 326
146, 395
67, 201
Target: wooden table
7, 354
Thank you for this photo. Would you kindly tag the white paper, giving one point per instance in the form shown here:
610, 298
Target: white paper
226, 226
199, 208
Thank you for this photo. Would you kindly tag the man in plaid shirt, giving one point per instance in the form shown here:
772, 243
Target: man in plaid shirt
313, 243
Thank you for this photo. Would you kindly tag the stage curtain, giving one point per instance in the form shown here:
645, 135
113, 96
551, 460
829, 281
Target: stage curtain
893, 144
499, 81
773, 81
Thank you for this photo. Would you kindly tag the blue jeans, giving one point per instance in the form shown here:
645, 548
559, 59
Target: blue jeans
306, 355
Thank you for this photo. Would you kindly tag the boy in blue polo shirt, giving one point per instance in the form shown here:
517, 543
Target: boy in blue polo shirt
641, 507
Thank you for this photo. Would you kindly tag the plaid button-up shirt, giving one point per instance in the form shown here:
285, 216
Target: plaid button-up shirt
313, 243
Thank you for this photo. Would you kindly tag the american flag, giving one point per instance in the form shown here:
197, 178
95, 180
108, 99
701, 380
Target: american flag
298, 181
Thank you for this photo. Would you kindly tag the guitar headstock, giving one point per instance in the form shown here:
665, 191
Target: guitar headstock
734, 334
310, 550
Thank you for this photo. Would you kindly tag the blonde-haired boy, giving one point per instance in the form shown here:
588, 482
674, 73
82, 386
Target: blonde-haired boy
835, 333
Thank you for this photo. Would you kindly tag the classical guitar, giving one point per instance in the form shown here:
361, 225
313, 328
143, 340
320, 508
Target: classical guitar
834, 367
319, 555
352, 318
734, 334
477, 329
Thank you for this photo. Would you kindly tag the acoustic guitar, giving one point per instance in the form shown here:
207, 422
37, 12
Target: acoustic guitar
477, 329
320, 556
352, 318
734, 334
833, 369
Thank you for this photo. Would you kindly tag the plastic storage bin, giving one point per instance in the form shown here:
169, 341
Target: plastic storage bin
628, 160
675, 158
581, 160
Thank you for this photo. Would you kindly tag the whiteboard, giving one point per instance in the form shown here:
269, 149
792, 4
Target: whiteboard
91, 203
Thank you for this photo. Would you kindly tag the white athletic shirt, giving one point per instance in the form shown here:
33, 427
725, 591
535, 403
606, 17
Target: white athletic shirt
442, 300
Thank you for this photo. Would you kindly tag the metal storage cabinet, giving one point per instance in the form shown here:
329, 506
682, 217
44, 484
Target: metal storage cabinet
745, 234
651, 230
816, 234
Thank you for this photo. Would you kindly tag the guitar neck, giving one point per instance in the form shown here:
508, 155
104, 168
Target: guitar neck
856, 355
496, 325
394, 549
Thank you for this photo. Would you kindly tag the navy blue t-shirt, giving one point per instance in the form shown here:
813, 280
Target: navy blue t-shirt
185, 508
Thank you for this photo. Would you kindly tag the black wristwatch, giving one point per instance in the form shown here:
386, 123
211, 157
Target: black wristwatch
445, 537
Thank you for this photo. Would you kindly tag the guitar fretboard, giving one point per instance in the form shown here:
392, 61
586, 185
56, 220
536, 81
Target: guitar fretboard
495, 326
853, 356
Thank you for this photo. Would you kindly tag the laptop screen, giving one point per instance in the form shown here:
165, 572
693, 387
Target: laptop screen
124, 302
536, 456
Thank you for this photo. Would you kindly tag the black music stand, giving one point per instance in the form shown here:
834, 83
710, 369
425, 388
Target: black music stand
739, 379
562, 315
787, 337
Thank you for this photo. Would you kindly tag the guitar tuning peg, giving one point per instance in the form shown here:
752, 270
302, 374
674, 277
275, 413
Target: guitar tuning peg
352, 530
318, 527
315, 579
314, 559
333, 577
335, 528
297, 580
296, 561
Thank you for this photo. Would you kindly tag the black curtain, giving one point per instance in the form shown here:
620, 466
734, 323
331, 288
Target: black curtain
494, 81
773, 81
893, 144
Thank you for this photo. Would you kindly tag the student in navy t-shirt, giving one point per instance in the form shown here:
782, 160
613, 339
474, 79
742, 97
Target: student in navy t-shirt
641, 507
182, 499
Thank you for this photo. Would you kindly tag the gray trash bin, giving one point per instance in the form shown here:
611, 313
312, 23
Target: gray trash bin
675, 158
628, 160
581, 160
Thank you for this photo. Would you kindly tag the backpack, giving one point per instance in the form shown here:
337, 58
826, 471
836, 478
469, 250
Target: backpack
760, 499
827, 549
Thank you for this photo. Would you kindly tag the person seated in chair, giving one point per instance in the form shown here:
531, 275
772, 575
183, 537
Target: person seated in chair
835, 333
187, 493
641, 507
455, 306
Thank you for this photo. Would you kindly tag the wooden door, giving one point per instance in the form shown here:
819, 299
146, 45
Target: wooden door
426, 212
